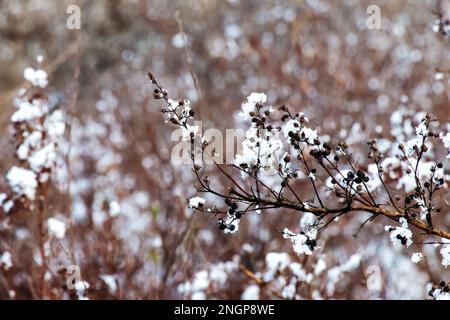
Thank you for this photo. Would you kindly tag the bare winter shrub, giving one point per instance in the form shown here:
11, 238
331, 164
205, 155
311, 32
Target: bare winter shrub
341, 193
280, 148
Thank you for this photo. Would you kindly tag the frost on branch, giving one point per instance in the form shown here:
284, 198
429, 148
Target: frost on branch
260, 147
286, 163
253, 103
196, 202
304, 243
400, 234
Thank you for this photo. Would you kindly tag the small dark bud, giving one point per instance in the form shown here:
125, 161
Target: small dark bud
424, 148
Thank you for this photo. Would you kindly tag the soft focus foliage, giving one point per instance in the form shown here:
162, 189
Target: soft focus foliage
88, 183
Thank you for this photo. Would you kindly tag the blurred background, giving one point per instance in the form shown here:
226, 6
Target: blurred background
129, 229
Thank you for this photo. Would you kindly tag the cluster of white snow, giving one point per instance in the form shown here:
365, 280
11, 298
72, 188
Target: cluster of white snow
214, 276
400, 234
303, 243
39, 132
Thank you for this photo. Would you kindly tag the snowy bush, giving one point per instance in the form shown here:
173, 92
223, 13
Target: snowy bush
300, 154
